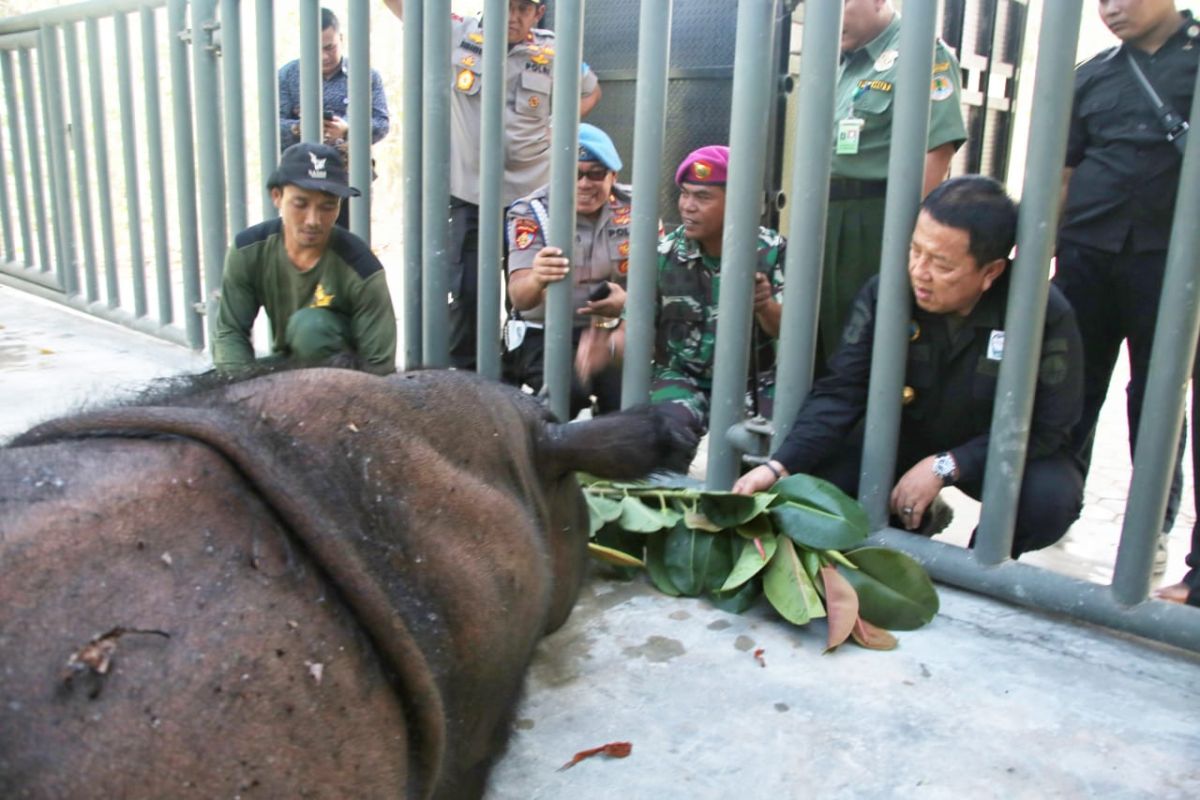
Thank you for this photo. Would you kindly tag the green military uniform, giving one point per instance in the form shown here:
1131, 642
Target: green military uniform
864, 97
686, 319
342, 303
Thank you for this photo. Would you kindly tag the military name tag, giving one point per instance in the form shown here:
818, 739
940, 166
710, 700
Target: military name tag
847, 136
995, 350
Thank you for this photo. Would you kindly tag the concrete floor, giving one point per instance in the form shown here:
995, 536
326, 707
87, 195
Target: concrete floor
986, 701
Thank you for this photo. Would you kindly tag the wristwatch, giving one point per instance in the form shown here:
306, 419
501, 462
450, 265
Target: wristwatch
609, 323
945, 467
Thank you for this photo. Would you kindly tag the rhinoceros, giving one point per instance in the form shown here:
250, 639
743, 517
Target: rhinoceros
317, 583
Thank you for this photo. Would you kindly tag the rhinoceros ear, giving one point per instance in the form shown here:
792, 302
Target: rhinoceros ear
624, 446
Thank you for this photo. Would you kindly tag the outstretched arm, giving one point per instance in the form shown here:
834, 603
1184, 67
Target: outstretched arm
396, 7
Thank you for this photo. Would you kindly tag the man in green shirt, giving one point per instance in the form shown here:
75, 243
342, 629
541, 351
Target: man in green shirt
862, 137
324, 291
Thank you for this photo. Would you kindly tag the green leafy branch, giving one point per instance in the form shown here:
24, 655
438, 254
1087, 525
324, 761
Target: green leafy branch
800, 545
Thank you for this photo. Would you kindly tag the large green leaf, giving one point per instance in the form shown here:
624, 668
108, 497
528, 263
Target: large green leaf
737, 600
893, 590
656, 567
756, 527
788, 586
823, 495
816, 527
601, 510
728, 510
697, 561
612, 536
750, 562
638, 517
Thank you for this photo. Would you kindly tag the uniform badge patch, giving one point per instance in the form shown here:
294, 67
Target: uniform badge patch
701, 170
523, 232
321, 298
477, 38
534, 101
465, 80
886, 60
469, 61
995, 349
539, 59
621, 216
623, 248
941, 87
623, 267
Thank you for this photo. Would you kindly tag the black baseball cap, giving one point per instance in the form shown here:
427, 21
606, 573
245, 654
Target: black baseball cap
313, 166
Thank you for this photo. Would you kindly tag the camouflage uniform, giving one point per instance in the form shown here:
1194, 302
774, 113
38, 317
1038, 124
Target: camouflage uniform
686, 320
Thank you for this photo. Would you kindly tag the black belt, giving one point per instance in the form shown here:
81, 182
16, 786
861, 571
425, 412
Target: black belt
853, 189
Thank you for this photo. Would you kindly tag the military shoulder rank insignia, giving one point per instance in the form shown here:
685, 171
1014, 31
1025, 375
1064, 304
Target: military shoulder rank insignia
621, 216
523, 233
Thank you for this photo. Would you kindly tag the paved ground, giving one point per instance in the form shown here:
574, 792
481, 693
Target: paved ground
986, 701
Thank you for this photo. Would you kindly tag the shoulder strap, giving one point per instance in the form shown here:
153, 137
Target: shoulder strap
1176, 127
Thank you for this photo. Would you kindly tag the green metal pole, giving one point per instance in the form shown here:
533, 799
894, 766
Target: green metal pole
108, 241
79, 143
60, 171
564, 159
232, 76
412, 318
72, 12
491, 185
1036, 228
268, 98
906, 168
185, 171
360, 117
132, 195
6, 215
18, 154
33, 138
208, 151
435, 147
649, 126
809, 202
158, 189
753, 90
1171, 362
310, 71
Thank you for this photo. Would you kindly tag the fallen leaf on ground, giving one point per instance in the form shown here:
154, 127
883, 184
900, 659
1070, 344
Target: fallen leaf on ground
758, 656
611, 750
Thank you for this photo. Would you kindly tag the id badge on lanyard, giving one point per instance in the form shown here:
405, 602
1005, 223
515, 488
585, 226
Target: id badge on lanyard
850, 128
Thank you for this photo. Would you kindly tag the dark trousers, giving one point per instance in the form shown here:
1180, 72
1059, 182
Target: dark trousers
525, 366
463, 285
1115, 297
853, 248
1050, 500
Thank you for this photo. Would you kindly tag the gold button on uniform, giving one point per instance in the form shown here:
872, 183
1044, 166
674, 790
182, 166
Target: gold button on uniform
908, 395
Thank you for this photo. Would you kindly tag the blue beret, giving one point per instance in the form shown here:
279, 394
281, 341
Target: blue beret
594, 145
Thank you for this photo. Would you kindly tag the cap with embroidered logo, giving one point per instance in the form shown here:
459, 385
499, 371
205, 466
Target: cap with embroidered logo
313, 166
595, 145
708, 165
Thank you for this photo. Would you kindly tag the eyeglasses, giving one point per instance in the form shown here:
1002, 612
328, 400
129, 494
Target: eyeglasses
594, 174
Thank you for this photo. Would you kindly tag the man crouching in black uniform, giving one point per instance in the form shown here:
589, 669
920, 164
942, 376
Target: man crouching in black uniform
958, 269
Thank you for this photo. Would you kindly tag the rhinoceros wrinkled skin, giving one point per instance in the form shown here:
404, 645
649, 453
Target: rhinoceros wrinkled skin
317, 583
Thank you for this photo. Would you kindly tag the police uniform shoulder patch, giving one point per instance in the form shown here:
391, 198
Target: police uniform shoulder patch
524, 231
886, 60
941, 87
465, 80
623, 267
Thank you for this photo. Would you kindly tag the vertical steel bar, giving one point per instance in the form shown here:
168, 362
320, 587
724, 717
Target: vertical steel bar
360, 117
232, 77
6, 215
185, 170
310, 71
435, 135
268, 98
1171, 361
649, 121
18, 154
812, 157
158, 190
208, 151
491, 183
564, 159
137, 258
414, 110
100, 146
33, 139
906, 167
1036, 227
60, 170
79, 144
753, 91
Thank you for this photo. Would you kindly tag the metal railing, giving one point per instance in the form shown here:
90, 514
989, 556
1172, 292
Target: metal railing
48, 237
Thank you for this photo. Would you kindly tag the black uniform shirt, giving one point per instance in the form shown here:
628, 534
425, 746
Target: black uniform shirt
1126, 172
952, 376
